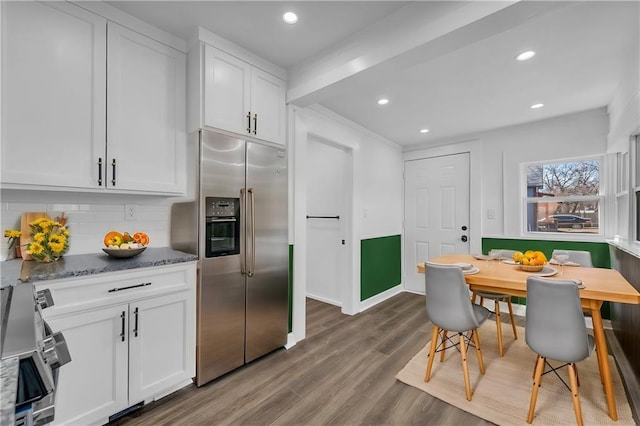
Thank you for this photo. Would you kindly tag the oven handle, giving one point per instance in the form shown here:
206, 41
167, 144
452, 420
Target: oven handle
253, 232
243, 268
210, 220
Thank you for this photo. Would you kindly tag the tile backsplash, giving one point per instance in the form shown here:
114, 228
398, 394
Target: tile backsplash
89, 221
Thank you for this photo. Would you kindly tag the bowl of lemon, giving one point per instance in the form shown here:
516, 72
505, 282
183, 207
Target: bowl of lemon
530, 260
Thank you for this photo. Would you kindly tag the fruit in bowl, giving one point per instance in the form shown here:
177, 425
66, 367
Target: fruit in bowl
530, 260
125, 241
124, 245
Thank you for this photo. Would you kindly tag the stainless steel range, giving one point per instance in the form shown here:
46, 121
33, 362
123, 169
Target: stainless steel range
30, 358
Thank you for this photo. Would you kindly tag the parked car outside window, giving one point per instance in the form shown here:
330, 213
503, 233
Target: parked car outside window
564, 221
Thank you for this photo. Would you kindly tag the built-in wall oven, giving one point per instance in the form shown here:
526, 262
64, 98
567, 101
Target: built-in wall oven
31, 355
222, 227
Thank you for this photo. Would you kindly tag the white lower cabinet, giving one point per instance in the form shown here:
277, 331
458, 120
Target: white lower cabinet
160, 353
137, 349
95, 385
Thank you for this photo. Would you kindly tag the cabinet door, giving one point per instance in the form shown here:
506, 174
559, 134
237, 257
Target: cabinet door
226, 91
53, 99
162, 345
93, 385
268, 102
145, 116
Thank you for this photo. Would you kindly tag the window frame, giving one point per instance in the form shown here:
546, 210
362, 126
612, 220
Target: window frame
600, 198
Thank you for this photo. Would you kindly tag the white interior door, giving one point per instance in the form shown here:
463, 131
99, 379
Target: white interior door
436, 212
326, 199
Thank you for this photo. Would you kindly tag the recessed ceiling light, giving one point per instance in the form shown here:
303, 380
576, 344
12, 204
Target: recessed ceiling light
383, 101
526, 55
536, 106
290, 18
424, 130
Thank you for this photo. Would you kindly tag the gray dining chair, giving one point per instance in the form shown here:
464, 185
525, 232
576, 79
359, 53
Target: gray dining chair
582, 258
555, 329
450, 309
497, 298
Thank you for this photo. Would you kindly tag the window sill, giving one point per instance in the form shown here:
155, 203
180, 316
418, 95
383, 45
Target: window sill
624, 245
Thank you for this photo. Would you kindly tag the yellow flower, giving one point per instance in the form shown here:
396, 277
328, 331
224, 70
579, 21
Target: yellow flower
35, 248
56, 243
38, 221
64, 231
39, 237
12, 233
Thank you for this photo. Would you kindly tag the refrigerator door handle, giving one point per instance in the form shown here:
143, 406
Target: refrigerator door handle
243, 250
253, 232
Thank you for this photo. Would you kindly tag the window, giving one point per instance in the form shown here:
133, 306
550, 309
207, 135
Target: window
564, 197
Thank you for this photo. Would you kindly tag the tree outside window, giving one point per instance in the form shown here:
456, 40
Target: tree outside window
564, 197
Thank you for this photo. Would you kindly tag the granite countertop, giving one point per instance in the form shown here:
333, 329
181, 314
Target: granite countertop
16, 271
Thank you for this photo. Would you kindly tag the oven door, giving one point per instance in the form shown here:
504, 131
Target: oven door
222, 236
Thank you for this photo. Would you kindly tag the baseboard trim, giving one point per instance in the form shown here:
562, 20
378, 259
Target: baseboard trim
381, 297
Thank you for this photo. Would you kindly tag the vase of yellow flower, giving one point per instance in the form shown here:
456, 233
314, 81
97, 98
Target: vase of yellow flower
49, 240
8, 247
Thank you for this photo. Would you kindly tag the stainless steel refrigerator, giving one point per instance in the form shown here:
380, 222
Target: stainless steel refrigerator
238, 227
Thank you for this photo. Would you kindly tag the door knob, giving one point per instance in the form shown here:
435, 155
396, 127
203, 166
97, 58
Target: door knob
464, 238
464, 227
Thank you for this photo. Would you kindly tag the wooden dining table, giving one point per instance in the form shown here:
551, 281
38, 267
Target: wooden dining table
601, 285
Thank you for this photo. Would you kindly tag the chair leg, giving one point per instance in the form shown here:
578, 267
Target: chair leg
574, 393
432, 351
535, 364
476, 340
465, 367
536, 384
499, 327
513, 321
444, 345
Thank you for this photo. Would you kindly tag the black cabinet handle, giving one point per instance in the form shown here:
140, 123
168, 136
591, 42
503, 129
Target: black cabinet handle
100, 171
249, 122
128, 287
113, 172
135, 326
122, 316
255, 123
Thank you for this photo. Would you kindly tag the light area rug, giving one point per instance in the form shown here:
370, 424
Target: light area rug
502, 394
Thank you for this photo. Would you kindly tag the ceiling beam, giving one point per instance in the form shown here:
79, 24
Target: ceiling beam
414, 34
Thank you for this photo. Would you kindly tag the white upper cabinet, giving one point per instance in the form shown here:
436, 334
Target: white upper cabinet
267, 106
145, 115
241, 98
79, 116
53, 94
227, 94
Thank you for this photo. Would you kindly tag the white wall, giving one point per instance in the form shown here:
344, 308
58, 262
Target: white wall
624, 109
90, 216
504, 150
624, 121
376, 183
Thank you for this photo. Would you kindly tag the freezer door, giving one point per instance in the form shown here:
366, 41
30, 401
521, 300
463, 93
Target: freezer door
221, 286
267, 251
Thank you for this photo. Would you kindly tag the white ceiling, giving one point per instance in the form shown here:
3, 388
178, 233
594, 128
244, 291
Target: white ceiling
461, 83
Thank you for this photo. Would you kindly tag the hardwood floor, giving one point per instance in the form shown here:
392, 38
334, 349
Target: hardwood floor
342, 373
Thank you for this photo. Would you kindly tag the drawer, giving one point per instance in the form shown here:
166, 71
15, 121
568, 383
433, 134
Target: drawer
82, 293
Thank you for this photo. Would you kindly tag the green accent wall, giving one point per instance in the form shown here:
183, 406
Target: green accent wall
599, 255
380, 265
290, 288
